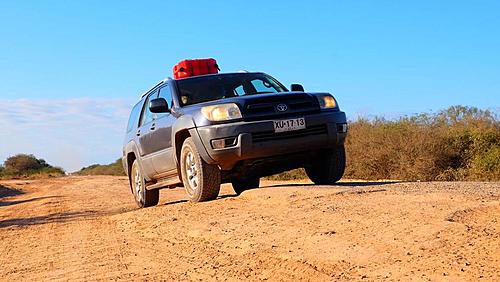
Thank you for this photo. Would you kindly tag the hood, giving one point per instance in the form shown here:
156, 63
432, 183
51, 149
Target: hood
266, 106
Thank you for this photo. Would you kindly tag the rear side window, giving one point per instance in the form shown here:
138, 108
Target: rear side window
134, 117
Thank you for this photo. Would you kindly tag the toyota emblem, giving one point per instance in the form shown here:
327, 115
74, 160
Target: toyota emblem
282, 107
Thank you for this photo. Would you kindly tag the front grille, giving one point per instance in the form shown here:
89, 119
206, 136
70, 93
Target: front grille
266, 107
271, 136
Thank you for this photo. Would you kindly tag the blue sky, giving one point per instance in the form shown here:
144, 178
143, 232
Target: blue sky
70, 70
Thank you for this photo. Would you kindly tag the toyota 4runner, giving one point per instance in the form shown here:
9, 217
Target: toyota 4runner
201, 131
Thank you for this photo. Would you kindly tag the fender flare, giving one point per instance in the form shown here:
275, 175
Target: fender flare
131, 147
185, 124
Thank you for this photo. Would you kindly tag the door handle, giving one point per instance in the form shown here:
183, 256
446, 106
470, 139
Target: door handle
138, 133
153, 126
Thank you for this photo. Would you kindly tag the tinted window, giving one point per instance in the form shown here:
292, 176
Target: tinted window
147, 115
213, 87
239, 90
134, 117
263, 86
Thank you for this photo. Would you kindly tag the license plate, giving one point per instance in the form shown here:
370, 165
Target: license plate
289, 124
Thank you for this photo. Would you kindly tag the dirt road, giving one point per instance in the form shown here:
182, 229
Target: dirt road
88, 228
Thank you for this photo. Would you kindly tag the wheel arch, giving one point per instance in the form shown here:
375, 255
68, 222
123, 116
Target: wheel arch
184, 128
130, 160
180, 137
131, 154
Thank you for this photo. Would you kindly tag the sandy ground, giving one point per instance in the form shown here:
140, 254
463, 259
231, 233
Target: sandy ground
88, 228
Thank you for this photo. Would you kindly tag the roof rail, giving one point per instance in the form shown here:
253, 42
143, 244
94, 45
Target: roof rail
158, 84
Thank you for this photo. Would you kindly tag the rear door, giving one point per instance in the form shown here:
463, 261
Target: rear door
163, 157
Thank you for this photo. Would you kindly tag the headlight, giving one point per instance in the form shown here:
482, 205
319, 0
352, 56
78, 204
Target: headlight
221, 112
327, 102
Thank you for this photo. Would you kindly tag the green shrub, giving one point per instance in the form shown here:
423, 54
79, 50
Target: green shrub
28, 166
22, 162
115, 168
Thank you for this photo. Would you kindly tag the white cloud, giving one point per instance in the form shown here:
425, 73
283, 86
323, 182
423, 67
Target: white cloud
70, 133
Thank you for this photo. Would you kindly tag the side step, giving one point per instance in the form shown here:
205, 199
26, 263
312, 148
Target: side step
164, 182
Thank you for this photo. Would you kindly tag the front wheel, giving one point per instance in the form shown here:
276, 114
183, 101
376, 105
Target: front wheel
329, 168
201, 180
143, 197
243, 184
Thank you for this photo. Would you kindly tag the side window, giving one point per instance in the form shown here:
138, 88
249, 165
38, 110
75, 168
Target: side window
166, 93
134, 116
147, 116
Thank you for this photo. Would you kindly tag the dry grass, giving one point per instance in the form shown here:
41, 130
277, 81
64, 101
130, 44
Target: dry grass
460, 143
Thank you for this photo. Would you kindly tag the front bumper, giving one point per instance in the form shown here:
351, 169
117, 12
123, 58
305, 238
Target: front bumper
256, 139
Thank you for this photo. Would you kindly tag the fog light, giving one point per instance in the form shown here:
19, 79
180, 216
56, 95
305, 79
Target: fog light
342, 127
223, 143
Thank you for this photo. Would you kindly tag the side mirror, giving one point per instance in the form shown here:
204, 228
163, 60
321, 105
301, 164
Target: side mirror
159, 105
297, 87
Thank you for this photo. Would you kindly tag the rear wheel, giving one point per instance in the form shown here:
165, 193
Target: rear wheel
243, 184
143, 197
201, 180
329, 168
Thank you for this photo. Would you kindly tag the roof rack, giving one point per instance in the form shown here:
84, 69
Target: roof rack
158, 84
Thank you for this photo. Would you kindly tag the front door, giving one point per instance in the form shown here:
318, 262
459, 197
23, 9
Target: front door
163, 157
144, 134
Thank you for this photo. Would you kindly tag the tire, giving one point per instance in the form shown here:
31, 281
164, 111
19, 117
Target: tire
143, 197
328, 169
201, 180
240, 185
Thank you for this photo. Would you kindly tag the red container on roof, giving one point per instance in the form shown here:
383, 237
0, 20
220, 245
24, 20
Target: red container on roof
188, 68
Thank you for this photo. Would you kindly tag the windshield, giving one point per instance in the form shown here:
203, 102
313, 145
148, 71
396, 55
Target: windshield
208, 88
